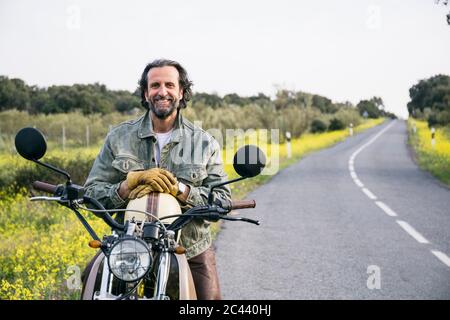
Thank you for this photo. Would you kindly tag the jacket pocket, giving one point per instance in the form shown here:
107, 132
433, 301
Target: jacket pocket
192, 174
127, 163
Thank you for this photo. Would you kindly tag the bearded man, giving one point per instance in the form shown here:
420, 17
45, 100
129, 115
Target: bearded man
164, 152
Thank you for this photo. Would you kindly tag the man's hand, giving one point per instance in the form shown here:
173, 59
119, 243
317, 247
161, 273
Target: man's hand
141, 183
140, 191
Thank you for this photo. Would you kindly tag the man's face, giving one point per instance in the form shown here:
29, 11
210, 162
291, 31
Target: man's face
163, 92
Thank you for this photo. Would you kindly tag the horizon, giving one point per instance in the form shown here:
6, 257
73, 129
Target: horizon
272, 97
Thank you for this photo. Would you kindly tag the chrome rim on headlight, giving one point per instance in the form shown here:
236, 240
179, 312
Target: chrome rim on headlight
129, 259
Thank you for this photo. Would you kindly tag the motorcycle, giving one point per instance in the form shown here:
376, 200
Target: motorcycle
141, 259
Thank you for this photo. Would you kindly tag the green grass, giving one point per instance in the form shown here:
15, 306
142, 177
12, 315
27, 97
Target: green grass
435, 159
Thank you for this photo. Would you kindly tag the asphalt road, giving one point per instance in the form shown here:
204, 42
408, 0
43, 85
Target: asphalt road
358, 220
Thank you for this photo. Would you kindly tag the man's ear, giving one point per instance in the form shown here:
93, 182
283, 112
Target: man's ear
181, 94
146, 95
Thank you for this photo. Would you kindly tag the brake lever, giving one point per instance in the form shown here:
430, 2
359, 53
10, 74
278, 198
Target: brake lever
217, 216
241, 219
45, 198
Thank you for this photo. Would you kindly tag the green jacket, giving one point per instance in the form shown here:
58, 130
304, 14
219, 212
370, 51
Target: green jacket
192, 155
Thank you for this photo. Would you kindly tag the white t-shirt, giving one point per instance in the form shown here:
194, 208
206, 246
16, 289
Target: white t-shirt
162, 139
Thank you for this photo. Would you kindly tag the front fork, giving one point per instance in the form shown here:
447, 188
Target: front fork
162, 276
161, 279
106, 284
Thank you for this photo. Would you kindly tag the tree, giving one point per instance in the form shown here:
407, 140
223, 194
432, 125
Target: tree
369, 107
38, 98
233, 98
212, 100
260, 99
336, 124
283, 99
325, 105
378, 102
432, 93
124, 102
14, 93
318, 126
445, 3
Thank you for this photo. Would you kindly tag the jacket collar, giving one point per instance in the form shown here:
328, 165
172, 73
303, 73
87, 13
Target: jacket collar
146, 127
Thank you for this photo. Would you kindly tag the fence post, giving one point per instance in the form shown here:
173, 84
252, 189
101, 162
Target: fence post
12, 145
350, 129
63, 138
288, 144
87, 136
433, 142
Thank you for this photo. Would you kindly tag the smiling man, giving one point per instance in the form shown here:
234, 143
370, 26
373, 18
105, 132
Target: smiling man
164, 152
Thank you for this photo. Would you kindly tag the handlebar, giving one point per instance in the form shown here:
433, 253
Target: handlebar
51, 188
219, 211
242, 204
44, 186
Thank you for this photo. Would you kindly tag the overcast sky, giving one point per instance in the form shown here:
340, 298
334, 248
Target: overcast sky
345, 50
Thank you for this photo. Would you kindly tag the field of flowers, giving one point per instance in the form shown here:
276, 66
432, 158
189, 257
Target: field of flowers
435, 159
38, 243
43, 245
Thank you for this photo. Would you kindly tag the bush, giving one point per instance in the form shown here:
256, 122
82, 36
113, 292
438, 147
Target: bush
75, 124
19, 174
336, 124
432, 120
443, 118
348, 116
318, 126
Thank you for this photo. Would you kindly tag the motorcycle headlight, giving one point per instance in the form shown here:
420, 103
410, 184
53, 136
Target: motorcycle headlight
129, 259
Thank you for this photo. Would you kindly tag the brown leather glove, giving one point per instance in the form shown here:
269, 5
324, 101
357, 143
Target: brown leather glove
142, 190
153, 180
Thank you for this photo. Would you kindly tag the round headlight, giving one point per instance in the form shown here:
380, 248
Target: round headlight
129, 259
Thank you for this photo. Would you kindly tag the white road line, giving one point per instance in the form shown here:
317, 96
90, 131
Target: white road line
442, 256
375, 137
406, 226
351, 161
369, 194
412, 232
358, 183
386, 209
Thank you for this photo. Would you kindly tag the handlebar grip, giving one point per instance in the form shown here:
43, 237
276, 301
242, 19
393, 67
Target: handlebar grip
242, 204
44, 186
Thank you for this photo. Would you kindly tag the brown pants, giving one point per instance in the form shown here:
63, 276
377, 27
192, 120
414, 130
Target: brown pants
204, 273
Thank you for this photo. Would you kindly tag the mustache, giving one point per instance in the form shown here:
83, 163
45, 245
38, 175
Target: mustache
166, 97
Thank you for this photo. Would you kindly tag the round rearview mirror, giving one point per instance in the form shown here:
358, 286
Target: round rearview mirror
249, 161
30, 144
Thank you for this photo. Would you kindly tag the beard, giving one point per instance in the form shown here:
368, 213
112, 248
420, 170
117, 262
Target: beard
160, 111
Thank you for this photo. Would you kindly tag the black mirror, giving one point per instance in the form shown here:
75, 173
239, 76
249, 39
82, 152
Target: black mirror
30, 144
249, 161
